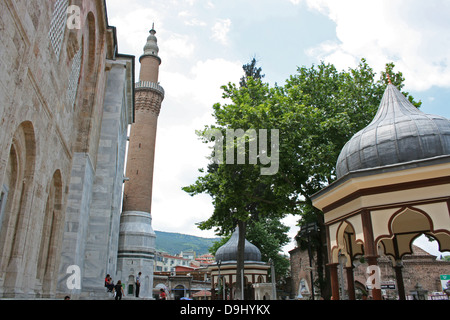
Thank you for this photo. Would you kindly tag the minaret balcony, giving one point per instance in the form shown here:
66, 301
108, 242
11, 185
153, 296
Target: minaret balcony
148, 85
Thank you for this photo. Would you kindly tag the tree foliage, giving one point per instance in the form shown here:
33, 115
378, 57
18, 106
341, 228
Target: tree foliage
316, 112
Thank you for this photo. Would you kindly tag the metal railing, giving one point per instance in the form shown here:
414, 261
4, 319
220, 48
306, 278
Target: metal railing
150, 85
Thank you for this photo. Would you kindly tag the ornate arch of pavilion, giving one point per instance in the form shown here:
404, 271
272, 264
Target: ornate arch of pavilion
393, 185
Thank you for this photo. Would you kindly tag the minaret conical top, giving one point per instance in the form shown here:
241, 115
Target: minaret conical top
151, 47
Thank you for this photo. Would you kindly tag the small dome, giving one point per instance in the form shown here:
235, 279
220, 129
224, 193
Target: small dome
229, 251
398, 133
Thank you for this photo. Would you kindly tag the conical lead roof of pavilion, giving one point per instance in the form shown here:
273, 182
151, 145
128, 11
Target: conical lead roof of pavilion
229, 251
398, 133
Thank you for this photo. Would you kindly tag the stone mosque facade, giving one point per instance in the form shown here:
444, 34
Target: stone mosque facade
67, 99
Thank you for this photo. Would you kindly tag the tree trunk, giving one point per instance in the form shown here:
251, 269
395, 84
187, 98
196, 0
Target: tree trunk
242, 225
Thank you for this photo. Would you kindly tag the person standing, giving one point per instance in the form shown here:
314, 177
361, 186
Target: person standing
109, 284
162, 294
119, 290
138, 284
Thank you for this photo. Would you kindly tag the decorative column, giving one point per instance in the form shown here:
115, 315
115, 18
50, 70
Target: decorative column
399, 277
334, 280
369, 248
350, 283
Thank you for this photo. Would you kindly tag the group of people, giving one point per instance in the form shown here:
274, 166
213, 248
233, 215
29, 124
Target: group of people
117, 289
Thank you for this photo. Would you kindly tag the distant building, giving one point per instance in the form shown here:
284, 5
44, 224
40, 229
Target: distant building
167, 263
189, 254
205, 260
183, 281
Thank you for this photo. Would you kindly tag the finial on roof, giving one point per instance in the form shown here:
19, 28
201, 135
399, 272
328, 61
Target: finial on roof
153, 31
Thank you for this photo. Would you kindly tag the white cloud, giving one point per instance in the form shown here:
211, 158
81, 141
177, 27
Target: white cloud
191, 21
133, 24
192, 86
200, 87
412, 34
220, 30
179, 153
178, 46
195, 22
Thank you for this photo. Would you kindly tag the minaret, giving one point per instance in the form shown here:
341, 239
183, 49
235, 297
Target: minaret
137, 238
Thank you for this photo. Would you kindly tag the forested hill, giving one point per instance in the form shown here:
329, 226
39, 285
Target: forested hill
174, 243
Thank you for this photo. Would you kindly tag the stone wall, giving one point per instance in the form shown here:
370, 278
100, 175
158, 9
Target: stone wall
54, 113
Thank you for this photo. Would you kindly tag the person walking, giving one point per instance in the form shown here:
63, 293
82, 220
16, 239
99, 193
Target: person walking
118, 289
138, 284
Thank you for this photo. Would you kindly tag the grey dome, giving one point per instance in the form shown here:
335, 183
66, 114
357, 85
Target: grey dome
229, 251
398, 133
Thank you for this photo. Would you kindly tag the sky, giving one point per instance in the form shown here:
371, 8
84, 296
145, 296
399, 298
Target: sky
203, 45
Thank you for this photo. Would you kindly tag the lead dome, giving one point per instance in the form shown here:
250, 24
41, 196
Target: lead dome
229, 251
399, 133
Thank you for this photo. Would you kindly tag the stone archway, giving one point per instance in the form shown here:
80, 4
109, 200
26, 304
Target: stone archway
179, 292
405, 226
17, 209
347, 244
50, 237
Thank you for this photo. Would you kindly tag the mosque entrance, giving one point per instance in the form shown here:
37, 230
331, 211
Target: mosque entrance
179, 292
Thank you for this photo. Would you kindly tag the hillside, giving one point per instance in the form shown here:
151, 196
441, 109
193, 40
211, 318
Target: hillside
174, 243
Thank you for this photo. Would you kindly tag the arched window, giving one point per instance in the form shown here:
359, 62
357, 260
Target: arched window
19, 179
48, 251
58, 25
74, 77
7, 190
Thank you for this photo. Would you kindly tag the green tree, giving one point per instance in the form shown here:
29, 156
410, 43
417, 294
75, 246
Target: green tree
240, 192
251, 71
316, 112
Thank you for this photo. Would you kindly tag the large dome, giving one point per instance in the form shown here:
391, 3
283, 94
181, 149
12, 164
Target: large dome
229, 251
399, 133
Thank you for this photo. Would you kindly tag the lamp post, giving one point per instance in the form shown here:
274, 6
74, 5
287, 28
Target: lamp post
342, 260
307, 230
218, 280
274, 288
